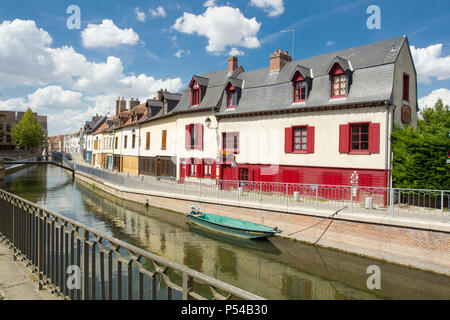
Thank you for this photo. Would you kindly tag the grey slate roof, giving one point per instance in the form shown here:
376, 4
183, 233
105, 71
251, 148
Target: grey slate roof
372, 67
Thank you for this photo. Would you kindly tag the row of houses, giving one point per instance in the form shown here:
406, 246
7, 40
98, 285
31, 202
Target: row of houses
320, 120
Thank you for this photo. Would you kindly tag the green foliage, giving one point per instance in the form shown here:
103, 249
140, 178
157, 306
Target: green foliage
28, 132
420, 153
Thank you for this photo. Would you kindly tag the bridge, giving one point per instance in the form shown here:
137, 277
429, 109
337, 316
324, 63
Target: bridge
57, 159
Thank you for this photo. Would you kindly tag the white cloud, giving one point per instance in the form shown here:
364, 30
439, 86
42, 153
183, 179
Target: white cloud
330, 43
14, 104
209, 3
107, 34
71, 88
180, 53
431, 99
158, 12
236, 52
430, 64
54, 99
223, 26
140, 15
273, 8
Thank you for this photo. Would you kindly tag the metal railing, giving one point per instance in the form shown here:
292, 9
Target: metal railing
78, 262
423, 204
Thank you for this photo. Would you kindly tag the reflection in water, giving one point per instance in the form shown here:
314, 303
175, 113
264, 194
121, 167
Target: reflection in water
276, 269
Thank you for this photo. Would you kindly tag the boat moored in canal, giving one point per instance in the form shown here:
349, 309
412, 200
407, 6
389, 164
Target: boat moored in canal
230, 226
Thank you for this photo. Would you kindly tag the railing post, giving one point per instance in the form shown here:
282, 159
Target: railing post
188, 284
392, 202
442, 206
351, 199
39, 248
85, 275
260, 192
287, 195
317, 197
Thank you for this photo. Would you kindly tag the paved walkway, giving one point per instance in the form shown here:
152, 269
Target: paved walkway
16, 280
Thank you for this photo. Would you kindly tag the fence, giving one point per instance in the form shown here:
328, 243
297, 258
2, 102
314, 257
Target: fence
424, 204
78, 262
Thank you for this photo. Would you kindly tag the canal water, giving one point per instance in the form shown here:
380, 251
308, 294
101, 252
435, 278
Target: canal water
275, 269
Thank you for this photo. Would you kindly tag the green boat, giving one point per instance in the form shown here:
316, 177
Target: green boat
230, 226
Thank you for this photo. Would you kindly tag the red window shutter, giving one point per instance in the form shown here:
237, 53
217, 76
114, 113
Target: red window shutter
199, 168
200, 136
344, 138
188, 137
188, 167
310, 140
288, 140
213, 169
374, 138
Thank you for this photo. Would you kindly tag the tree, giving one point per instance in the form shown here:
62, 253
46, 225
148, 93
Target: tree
28, 132
420, 154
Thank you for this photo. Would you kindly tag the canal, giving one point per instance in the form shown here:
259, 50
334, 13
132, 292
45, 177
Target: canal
276, 269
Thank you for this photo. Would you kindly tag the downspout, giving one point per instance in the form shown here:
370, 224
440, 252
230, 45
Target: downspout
389, 129
139, 148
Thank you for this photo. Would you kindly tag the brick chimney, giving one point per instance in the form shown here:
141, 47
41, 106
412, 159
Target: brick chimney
160, 94
278, 59
134, 103
118, 106
232, 64
123, 105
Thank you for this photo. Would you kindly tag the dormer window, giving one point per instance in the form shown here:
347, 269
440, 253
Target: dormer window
299, 88
195, 94
231, 96
301, 83
198, 87
338, 82
340, 72
231, 101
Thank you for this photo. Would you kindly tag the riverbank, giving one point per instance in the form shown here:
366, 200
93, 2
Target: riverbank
418, 244
16, 280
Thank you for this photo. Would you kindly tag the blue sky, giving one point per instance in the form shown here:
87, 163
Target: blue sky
132, 48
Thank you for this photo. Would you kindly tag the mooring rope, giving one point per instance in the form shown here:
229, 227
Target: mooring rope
326, 218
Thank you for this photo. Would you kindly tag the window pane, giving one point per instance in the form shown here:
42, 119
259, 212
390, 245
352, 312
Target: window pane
364, 137
355, 145
364, 146
355, 129
304, 146
365, 129
297, 146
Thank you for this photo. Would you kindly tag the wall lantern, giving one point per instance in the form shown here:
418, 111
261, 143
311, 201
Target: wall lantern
208, 122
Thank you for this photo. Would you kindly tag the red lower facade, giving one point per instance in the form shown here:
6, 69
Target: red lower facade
284, 174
